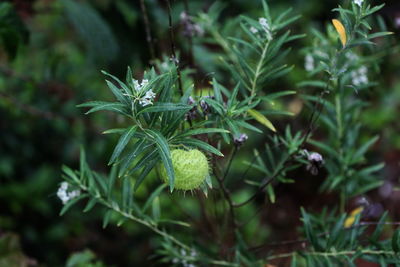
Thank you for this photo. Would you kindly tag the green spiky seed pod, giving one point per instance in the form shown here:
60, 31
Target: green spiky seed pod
190, 167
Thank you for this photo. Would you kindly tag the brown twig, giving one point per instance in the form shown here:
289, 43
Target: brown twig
267, 180
172, 42
146, 21
190, 38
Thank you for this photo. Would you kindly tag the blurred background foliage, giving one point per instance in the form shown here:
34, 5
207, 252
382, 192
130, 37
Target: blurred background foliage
51, 55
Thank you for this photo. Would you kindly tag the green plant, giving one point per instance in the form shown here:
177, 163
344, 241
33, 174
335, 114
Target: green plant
166, 113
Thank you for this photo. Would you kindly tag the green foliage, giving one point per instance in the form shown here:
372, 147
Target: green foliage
218, 81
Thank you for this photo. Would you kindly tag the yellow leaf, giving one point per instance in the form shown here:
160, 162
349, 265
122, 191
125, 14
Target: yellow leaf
356, 211
349, 221
353, 214
261, 119
341, 30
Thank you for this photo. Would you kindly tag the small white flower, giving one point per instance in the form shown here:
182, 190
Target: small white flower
265, 25
64, 195
314, 156
150, 94
64, 186
359, 76
351, 56
148, 98
397, 22
358, 2
309, 63
139, 86
183, 252
253, 30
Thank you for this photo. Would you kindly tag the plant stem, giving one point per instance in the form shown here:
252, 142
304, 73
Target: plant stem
115, 207
258, 70
172, 42
235, 149
190, 38
146, 21
334, 253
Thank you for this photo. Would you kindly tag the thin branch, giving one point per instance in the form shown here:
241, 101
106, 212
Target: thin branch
334, 253
146, 21
228, 198
127, 215
235, 149
317, 110
172, 42
190, 38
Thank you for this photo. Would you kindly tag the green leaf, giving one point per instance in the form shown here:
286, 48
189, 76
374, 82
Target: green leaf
147, 169
122, 142
309, 231
117, 93
202, 131
163, 107
248, 126
155, 194
200, 144
106, 218
111, 180
395, 241
91, 203
108, 106
70, 173
120, 83
363, 149
115, 130
127, 195
165, 154
261, 119
71, 202
137, 149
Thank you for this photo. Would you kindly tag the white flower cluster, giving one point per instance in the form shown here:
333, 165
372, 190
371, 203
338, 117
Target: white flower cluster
359, 76
184, 263
309, 63
253, 29
358, 2
139, 86
314, 156
148, 98
266, 27
66, 196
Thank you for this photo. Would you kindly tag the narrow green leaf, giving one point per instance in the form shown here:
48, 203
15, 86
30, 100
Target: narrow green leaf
165, 154
155, 194
91, 203
200, 144
147, 169
202, 131
70, 173
117, 93
115, 130
395, 241
163, 107
137, 149
126, 193
122, 142
106, 218
71, 202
